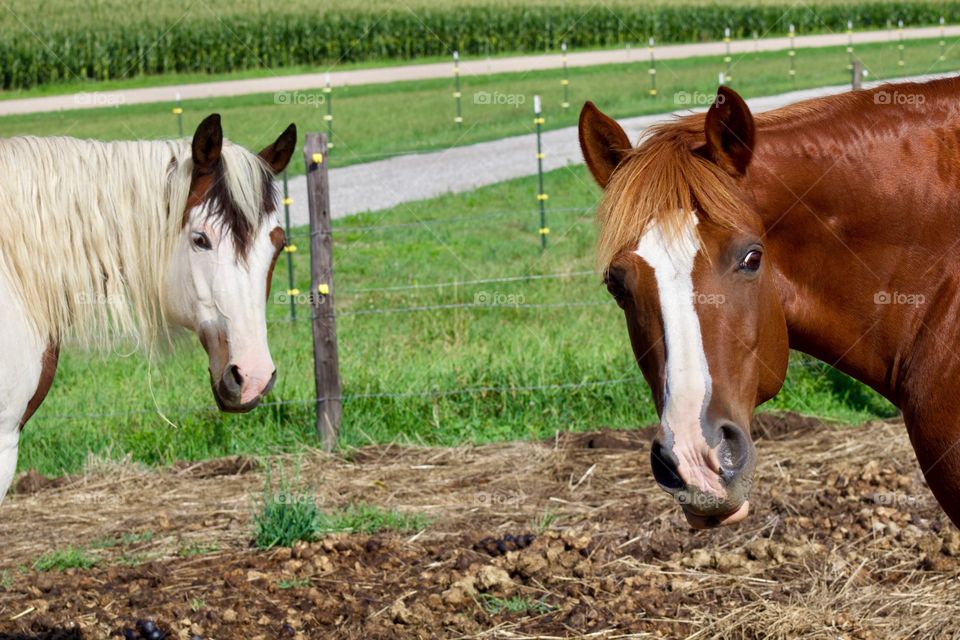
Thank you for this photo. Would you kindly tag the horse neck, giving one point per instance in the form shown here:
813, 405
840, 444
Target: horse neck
861, 224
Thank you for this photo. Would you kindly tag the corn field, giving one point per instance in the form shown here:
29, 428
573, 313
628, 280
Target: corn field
101, 41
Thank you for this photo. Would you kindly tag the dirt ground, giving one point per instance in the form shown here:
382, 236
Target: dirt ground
845, 541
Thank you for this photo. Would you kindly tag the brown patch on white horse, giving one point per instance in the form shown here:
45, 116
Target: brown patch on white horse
48, 369
279, 240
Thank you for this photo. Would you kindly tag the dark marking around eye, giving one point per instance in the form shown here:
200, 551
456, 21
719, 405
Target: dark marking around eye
201, 241
211, 188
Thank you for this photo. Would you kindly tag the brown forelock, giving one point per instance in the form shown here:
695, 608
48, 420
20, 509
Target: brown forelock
210, 188
48, 370
661, 182
279, 239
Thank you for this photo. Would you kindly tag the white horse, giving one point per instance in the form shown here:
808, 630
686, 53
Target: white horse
107, 241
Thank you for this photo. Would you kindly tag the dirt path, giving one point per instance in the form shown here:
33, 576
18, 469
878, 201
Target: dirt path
845, 542
383, 75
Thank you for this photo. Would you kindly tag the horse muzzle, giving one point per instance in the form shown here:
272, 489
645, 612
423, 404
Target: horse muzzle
711, 484
698, 521
232, 388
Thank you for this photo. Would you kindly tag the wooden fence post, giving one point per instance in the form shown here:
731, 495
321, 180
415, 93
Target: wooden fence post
325, 358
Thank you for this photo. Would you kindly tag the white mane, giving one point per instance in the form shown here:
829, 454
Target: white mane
87, 227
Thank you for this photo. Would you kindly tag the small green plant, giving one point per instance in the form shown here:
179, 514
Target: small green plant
198, 549
108, 542
134, 559
295, 583
196, 604
63, 559
6, 580
514, 605
546, 520
285, 516
138, 538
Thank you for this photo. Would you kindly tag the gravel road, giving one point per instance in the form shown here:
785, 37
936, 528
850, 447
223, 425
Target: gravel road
386, 183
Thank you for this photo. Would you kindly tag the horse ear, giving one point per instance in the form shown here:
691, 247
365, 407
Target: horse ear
278, 154
207, 142
730, 132
603, 142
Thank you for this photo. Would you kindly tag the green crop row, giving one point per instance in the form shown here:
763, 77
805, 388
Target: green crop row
96, 49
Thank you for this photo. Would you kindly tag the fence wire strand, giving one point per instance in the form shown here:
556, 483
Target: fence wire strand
343, 228
465, 283
468, 305
427, 393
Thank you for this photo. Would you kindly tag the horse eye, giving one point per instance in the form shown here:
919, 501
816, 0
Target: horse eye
614, 282
201, 241
751, 261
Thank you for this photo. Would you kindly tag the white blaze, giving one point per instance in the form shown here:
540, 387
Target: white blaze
687, 385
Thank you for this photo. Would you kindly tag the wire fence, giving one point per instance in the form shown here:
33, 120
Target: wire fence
423, 393
132, 411
345, 231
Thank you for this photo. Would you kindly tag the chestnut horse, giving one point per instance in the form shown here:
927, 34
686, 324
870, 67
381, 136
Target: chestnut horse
830, 226
107, 241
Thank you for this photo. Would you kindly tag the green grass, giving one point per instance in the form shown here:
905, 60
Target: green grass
294, 583
546, 520
174, 79
126, 539
135, 559
378, 121
198, 549
516, 605
106, 405
71, 40
63, 559
288, 514
368, 519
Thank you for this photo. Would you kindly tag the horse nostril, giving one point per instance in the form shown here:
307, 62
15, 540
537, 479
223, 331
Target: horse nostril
665, 467
734, 450
234, 372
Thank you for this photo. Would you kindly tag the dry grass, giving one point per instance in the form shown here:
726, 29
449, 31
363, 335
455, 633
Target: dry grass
845, 540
